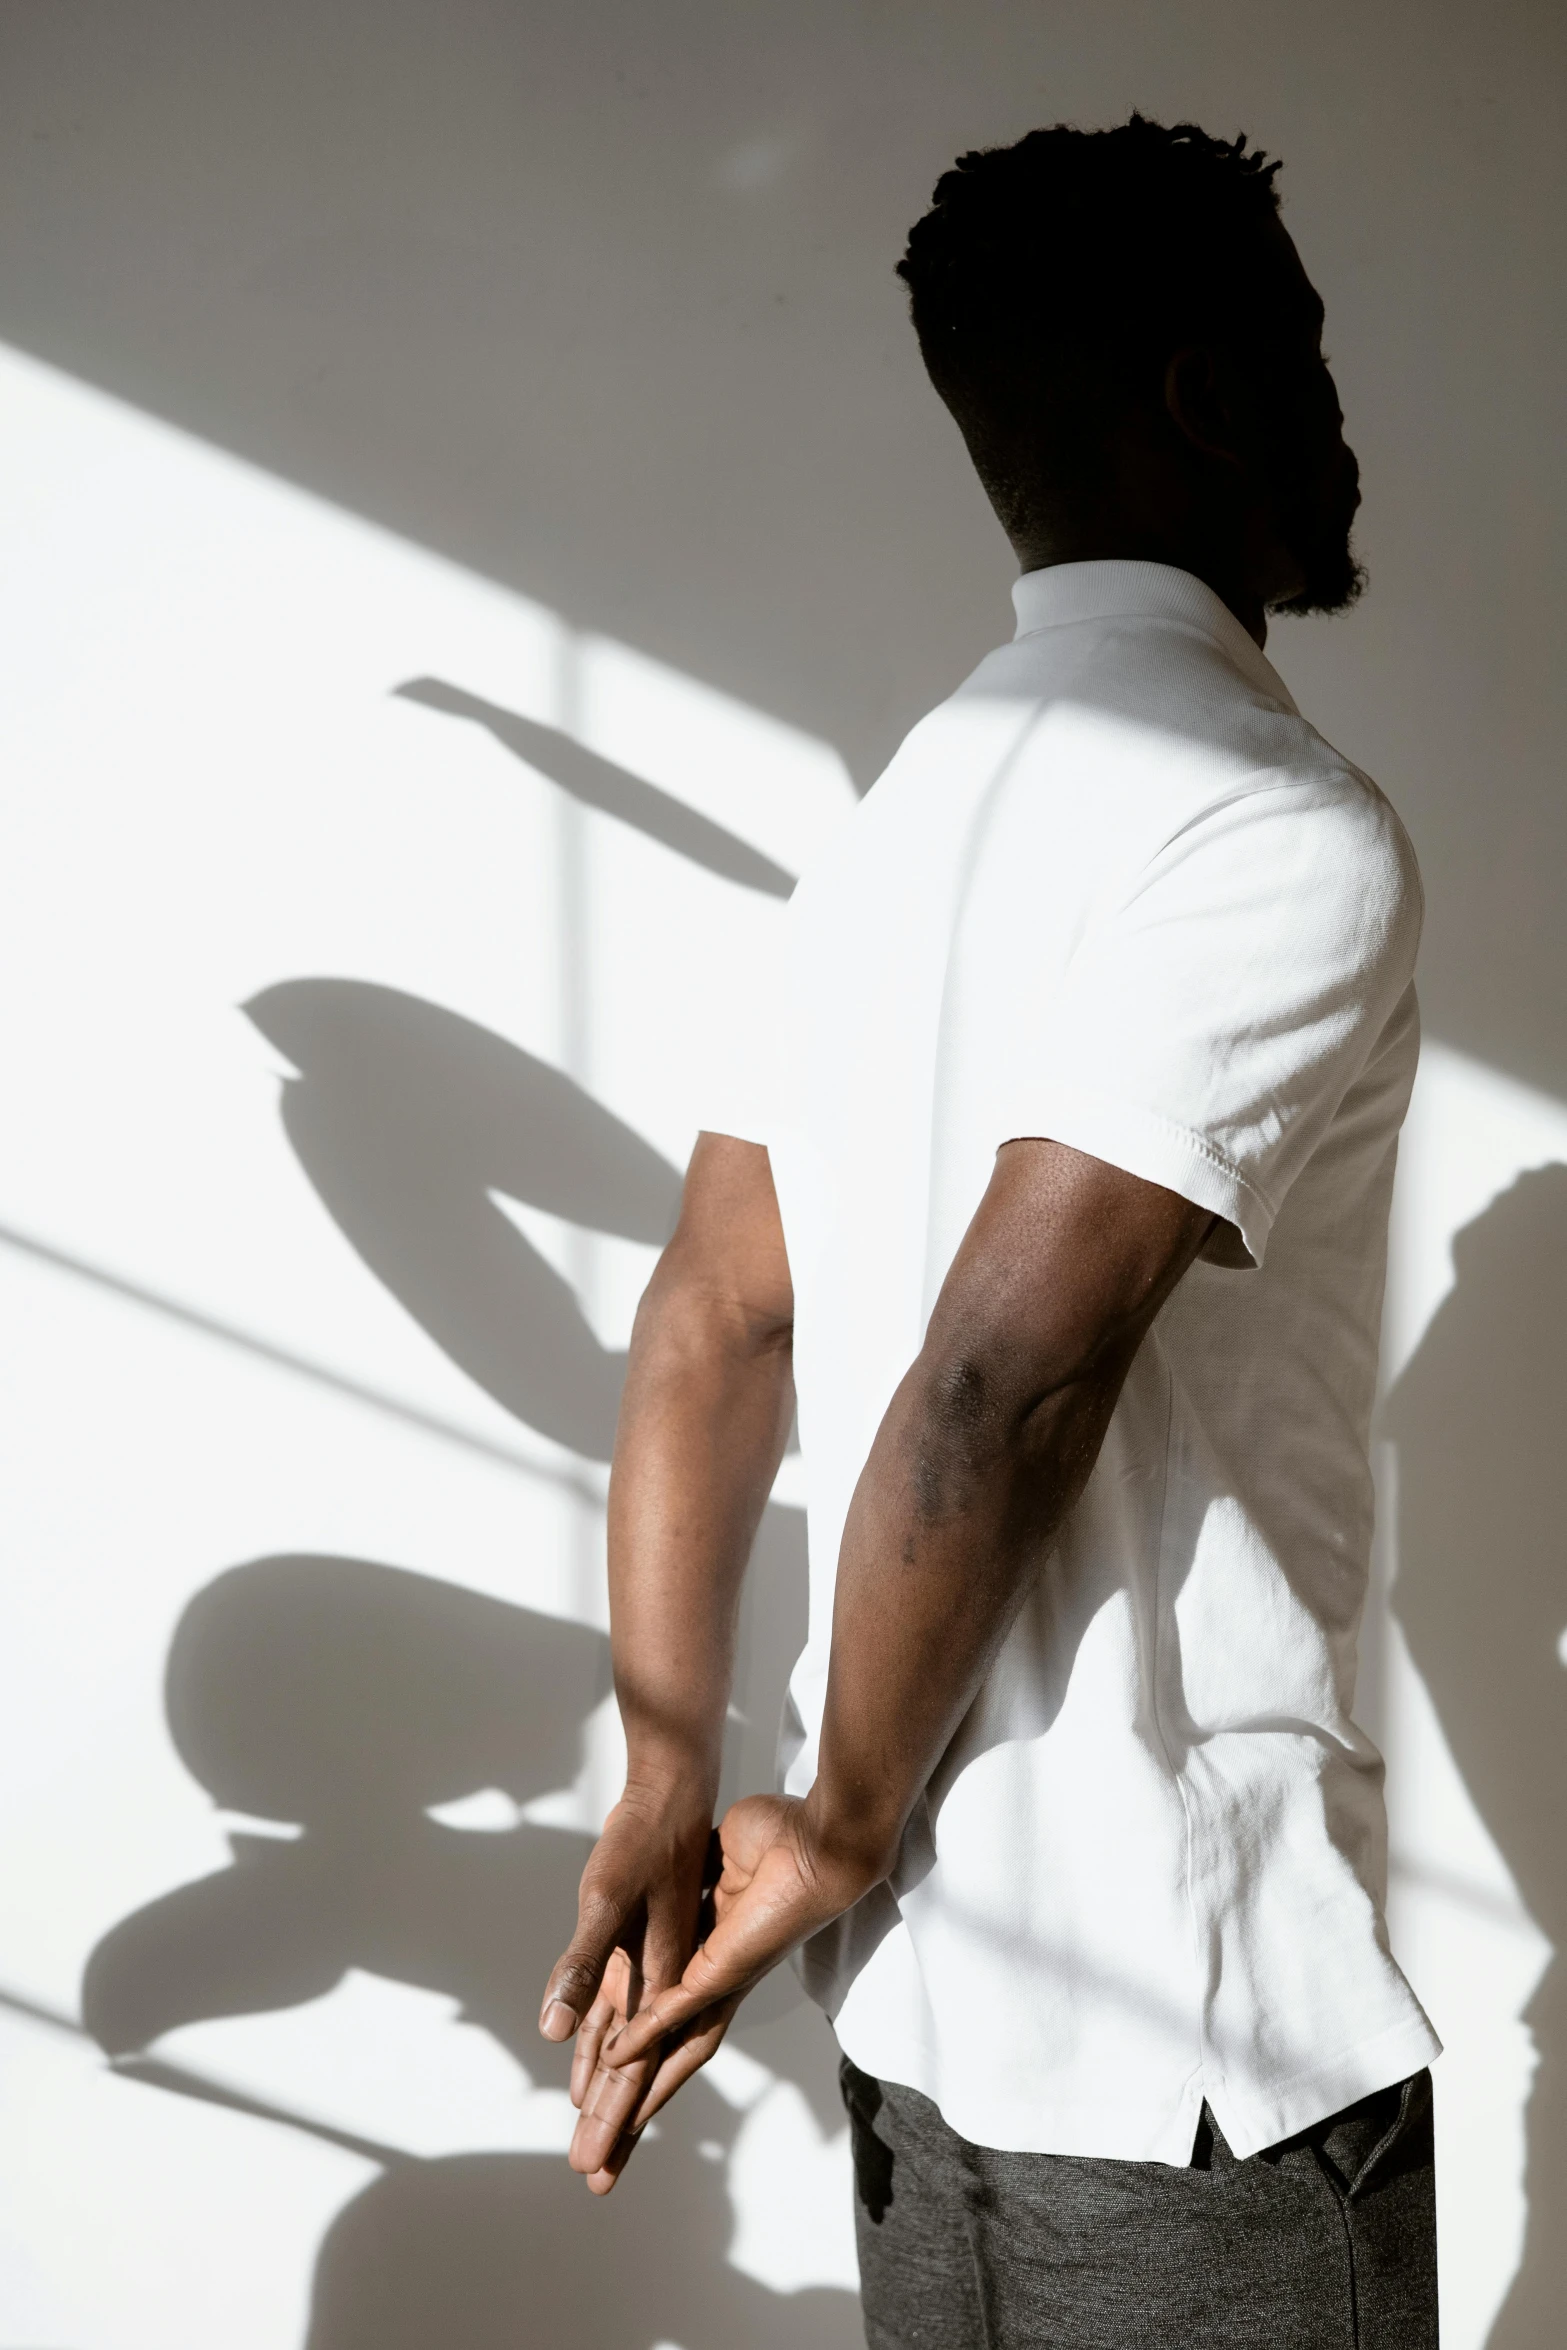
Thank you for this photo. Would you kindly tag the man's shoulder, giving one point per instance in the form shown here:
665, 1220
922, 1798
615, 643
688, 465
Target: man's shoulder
1346, 822
1310, 838
1118, 738
1252, 758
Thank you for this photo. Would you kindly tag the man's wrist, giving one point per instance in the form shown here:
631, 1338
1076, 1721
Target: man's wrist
664, 1777
849, 1845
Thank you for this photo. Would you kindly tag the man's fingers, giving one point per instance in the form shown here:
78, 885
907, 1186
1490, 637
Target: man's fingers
619, 1996
687, 2057
669, 2013
601, 2019
706, 1984
574, 1983
608, 2103
615, 2110
599, 2182
607, 2123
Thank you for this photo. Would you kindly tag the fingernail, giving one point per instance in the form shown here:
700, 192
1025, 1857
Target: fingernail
558, 2021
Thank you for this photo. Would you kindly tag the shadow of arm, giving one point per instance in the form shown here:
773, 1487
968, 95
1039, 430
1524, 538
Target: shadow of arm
598, 783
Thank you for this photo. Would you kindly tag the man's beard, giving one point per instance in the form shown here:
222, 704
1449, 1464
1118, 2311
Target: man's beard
1316, 531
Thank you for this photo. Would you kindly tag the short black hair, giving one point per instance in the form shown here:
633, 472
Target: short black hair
1051, 280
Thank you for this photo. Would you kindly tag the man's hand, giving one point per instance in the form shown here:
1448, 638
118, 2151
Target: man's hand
777, 1887
637, 1923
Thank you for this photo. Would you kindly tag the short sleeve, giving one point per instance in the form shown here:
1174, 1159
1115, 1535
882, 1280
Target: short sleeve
1212, 1018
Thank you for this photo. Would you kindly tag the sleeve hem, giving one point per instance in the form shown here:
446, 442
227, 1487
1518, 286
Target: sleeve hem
1156, 1149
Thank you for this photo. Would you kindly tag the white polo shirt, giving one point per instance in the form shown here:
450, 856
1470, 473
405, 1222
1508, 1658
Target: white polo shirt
1117, 892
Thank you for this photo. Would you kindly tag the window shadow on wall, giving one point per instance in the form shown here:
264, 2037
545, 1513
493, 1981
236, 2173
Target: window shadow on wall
1479, 1419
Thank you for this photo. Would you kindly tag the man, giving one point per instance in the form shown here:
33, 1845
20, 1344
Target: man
1064, 1189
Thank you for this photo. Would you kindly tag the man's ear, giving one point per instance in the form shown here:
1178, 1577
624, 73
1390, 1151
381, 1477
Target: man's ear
1197, 401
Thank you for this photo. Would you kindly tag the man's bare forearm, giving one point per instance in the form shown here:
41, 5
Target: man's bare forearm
944, 1538
703, 1425
982, 1454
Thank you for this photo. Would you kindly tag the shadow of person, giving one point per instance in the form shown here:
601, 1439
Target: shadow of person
1481, 1592
406, 1117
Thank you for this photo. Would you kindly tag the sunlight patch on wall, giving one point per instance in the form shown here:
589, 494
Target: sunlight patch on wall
365, 932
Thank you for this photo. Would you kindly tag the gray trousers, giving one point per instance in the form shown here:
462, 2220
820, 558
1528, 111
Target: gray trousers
1326, 2242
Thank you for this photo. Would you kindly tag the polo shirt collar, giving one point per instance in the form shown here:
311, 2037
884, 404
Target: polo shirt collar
1116, 590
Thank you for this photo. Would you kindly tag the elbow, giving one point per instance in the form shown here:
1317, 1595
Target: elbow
964, 1402
686, 1313
965, 1423
983, 1416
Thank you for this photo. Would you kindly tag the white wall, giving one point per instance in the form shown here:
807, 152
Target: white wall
554, 356
319, 1847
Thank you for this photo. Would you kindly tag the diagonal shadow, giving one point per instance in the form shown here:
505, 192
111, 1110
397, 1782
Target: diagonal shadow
181, 2080
284, 1358
614, 791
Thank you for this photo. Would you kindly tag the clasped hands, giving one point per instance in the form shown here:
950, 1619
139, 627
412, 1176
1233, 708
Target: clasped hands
676, 1923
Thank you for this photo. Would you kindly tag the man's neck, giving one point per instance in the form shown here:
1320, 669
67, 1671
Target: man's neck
1040, 554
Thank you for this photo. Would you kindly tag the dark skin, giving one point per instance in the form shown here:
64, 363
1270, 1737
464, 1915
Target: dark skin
991, 1435
1238, 474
